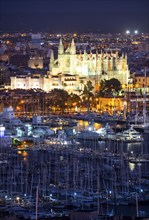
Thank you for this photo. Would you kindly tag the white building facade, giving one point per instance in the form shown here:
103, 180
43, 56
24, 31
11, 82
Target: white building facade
70, 70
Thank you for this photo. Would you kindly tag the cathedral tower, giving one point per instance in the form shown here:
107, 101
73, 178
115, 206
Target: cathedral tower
51, 61
73, 48
60, 47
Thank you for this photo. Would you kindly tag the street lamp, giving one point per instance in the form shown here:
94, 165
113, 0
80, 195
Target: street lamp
127, 32
17, 199
136, 32
96, 104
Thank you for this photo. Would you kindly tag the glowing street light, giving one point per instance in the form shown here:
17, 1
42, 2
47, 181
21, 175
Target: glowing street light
136, 31
127, 32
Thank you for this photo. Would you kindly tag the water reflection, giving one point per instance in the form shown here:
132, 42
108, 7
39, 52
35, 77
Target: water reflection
131, 166
137, 148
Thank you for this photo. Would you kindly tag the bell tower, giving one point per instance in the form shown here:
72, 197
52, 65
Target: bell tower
73, 48
51, 61
60, 47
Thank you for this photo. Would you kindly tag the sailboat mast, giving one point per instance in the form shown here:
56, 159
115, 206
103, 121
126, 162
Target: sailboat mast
144, 98
37, 203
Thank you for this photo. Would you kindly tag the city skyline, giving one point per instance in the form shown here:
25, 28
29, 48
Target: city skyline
75, 16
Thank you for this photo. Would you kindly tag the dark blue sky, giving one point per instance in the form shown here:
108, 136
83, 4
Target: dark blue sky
75, 15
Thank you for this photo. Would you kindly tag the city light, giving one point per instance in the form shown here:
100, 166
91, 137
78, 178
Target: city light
127, 32
136, 31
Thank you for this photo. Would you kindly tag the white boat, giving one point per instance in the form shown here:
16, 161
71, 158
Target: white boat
103, 133
106, 132
87, 135
129, 135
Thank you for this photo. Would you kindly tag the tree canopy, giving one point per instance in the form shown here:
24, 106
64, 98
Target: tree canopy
58, 97
109, 87
87, 93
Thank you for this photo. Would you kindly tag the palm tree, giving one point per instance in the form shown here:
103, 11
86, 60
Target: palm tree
87, 93
58, 98
73, 100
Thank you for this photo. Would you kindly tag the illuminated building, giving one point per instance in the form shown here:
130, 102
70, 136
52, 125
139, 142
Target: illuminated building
35, 62
70, 70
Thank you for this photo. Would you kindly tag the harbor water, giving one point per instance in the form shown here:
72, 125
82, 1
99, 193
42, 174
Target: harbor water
111, 177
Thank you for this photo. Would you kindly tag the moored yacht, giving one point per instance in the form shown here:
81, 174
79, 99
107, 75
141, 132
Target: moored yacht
106, 132
129, 135
87, 135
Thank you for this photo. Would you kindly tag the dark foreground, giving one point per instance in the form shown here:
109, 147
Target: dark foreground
77, 216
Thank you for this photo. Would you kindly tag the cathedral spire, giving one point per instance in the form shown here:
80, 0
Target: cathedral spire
126, 56
73, 47
85, 55
96, 52
52, 56
101, 52
60, 47
51, 60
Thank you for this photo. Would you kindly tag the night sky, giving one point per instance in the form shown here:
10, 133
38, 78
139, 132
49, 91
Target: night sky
74, 15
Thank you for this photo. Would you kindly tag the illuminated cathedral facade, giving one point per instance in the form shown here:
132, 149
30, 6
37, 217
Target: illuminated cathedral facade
71, 70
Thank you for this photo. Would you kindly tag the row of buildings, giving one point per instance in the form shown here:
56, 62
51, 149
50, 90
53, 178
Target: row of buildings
69, 66
43, 63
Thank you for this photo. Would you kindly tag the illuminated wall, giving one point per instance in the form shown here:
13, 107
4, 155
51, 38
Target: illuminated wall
67, 71
103, 65
35, 62
110, 104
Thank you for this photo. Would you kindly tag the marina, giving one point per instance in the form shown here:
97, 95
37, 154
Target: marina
52, 174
